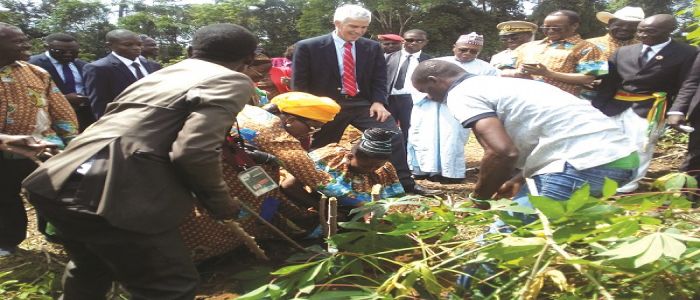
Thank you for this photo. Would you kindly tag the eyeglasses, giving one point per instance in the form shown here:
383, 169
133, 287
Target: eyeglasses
554, 29
63, 51
509, 37
469, 50
417, 41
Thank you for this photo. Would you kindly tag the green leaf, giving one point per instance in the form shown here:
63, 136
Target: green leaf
514, 250
578, 199
672, 247
253, 273
294, 268
256, 294
609, 188
632, 249
653, 252
676, 182
510, 206
551, 208
341, 295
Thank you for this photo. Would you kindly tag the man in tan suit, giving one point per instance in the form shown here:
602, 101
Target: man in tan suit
119, 191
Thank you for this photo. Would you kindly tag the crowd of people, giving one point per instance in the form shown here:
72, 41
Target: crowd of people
132, 166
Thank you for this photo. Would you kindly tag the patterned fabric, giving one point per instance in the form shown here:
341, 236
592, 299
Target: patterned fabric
570, 55
609, 45
205, 238
332, 159
31, 104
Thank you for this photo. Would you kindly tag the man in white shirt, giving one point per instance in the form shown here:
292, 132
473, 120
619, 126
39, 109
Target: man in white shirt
530, 129
400, 66
109, 76
436, 140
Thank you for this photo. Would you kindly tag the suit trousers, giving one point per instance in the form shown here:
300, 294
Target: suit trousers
692, 158
149, 266
400, 107
13, 217
358, 116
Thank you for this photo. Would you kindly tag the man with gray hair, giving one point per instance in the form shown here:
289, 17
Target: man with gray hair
357, 83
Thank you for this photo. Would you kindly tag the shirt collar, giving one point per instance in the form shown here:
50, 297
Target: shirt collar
416, 55
656, 48
125, 60
571, 40
53, 60
338, 40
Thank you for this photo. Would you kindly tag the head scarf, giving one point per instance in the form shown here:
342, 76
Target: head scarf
376, 142
321, 109
471, 39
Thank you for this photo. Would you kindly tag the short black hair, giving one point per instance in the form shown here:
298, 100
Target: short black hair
416, 31
574, 17
224, 42
437, 68
4, 26
116, 34
59, 37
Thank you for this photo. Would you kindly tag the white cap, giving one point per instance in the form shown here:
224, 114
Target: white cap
627, 13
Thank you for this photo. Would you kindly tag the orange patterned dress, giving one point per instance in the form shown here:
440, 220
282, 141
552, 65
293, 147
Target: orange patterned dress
206, 238
31, 104
570, 55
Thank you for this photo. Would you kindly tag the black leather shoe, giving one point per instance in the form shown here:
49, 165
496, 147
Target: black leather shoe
423, 191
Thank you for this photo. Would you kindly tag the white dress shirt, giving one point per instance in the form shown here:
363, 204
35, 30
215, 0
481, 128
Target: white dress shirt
412, 64
79, 87
129, 62
654, 49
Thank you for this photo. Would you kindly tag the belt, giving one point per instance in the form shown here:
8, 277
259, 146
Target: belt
634, 97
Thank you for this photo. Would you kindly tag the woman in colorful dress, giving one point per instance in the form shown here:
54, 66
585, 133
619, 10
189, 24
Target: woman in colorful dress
282, 130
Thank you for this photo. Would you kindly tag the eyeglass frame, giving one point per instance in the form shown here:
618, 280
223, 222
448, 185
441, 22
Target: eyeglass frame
417, 41
552, 28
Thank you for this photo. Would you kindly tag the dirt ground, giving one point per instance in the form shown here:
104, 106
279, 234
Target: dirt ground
38, 258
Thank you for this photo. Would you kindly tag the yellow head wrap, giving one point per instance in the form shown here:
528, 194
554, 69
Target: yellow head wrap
322, 109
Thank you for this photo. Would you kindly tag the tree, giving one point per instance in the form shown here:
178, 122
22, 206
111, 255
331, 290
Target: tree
165, 21
589, 26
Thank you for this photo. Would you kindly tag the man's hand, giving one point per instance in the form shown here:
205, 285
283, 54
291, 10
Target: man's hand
378, 111
534, 69
76, 100
510, 188
27, 146
676, 121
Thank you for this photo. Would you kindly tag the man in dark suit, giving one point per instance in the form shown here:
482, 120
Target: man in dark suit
109, 76
400, 66
658, 64
149, 52
350, 69
61, 61
684, 110
119, 191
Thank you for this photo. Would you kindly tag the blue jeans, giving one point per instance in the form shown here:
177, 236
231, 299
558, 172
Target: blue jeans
560, 185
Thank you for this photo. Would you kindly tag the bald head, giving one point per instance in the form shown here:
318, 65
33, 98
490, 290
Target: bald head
436, 68
435, 77
14, 45
656, 29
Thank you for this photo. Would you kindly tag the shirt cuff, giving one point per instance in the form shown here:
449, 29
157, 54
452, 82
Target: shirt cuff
675, 113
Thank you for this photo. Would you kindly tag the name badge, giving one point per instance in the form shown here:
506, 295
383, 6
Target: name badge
257, 181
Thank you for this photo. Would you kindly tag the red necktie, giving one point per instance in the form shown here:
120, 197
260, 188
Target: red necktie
349, 83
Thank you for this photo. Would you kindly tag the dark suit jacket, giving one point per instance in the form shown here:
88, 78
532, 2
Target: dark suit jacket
315, 69
689, 94
44, 62
162, 138
665, 72
392, 66
105, 79
153, 65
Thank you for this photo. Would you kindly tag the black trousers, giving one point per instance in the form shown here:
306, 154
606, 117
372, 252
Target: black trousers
13, 217
358, 116
692, 158
400, 106
149, 266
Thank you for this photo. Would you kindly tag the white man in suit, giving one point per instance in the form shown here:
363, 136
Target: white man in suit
636, 72
66, 69
119, 192
358, 83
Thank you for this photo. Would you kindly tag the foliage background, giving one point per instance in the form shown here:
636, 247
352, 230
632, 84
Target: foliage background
280, 23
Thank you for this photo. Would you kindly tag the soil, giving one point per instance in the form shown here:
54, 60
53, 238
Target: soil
37, 258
